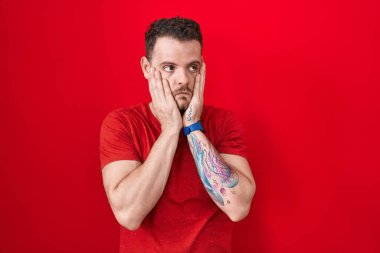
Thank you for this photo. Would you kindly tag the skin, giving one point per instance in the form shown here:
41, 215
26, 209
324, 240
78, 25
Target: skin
176, 76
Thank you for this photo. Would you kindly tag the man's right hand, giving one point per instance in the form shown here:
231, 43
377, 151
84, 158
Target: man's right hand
163, 103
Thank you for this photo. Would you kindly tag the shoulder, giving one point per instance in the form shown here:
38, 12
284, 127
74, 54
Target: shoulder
124, 118
126, 114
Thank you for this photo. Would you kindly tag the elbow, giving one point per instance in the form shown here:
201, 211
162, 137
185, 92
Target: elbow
130, 226
126, 220
125, 215
239, 214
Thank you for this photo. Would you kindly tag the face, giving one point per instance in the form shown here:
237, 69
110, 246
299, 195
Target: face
179, 62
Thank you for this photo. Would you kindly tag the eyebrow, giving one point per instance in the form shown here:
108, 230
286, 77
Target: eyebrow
172, 63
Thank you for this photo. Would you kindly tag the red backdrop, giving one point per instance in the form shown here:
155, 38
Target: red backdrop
301, 76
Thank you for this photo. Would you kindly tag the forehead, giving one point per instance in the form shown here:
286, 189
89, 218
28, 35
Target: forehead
172, 50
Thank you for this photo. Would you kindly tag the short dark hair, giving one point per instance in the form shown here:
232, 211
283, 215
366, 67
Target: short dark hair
182, 29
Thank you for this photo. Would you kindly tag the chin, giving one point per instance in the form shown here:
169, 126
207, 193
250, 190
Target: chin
182, 105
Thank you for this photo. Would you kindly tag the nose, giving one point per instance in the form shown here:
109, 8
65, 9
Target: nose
182, 78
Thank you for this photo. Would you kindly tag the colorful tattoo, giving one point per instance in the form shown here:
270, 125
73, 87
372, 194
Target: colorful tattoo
214, 173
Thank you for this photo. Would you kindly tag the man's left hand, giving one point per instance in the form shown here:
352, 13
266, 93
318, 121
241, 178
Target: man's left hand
194, 111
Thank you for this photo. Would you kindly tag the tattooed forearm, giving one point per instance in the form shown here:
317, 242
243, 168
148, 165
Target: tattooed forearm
216, 176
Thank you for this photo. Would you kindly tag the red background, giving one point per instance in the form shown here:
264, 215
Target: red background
301, 75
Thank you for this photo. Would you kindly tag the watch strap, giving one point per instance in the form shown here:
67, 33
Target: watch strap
193, 127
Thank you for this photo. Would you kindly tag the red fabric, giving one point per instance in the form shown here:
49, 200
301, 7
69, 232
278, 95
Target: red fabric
185, 219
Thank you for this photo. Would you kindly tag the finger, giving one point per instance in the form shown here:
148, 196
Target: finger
160, 86
152, 86
196, 86
150, 70
168, 92
150, 79
203, 80
157, 86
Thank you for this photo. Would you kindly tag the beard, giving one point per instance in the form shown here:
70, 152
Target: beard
182, 111
183, 102
182, 105
182, 108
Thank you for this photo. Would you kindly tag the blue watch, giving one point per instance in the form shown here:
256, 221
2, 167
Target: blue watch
193, 127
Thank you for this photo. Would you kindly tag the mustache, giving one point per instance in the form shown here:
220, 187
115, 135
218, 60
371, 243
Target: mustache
185, 91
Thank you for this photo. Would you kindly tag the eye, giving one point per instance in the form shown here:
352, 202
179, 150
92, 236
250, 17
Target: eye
168, 68
194, 68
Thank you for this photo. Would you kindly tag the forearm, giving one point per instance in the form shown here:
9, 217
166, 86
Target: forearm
140, 190
231, 190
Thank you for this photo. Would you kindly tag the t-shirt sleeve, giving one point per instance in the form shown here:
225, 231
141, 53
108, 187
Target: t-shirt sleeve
116, 142
232, 137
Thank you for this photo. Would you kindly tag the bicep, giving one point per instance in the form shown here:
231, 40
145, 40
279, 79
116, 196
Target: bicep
114, 172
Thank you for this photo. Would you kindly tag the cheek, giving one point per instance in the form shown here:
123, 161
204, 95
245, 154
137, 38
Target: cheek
191, 86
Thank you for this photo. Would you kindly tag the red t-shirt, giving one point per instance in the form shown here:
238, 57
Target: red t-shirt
185, 219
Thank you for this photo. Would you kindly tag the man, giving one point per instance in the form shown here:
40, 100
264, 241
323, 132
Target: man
175, 170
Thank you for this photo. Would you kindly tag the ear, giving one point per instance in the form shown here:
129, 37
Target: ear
145, 66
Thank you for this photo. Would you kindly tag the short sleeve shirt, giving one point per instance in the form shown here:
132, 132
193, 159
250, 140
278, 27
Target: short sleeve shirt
185, 219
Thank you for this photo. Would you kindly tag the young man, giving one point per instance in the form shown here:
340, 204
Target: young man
175, 170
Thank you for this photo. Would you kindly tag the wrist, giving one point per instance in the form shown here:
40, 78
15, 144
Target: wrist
197, 126
189, 123
172, 131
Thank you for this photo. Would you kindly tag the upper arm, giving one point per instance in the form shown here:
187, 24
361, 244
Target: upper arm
118, 142
113, 173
